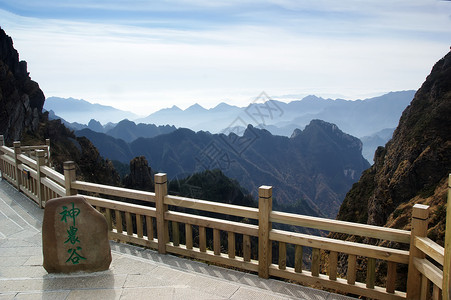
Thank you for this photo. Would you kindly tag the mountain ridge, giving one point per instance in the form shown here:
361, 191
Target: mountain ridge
82, 111
360, 118
255, 158
413, 165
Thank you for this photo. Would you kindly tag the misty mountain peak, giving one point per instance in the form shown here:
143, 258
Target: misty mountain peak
311, 98
195, 108
95, 125
222, 107
296, 133
318, 131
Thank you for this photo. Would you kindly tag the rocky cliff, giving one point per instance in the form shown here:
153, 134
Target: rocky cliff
21, 118
21, 99
413, 166
140, 176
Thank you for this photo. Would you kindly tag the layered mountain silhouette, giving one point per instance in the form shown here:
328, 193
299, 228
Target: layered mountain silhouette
317, 165
360, 118
125, 129
129, 131
81, 111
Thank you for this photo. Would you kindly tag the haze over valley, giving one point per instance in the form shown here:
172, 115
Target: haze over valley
372, 120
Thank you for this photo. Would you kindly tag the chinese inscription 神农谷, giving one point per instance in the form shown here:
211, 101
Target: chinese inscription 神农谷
72, 238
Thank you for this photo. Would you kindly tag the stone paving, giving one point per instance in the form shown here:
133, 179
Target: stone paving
135, 273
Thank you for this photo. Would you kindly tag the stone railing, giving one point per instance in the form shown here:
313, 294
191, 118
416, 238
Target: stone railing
246, 238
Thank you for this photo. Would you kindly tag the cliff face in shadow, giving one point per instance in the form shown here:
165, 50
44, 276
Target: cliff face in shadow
413, 166
21, 99
21, 118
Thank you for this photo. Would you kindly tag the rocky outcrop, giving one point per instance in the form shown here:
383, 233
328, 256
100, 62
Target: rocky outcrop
21, 118
412, 168
21, 99
414, 164
140, 176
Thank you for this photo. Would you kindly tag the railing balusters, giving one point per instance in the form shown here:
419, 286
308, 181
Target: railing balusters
371, 273
202, 239
298, 259
436, 293
149, 228
333, 262
34, 184
424, 289
391, 277
352, 268
139, 226
231, 244
246, 247
189, 236
315, 262
128, 223
282, 255
118, 221
216, 241
109, 220
175, 234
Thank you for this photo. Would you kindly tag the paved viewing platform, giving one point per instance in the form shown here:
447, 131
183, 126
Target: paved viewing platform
135, 273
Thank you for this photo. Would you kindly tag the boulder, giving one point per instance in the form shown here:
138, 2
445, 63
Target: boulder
74, 237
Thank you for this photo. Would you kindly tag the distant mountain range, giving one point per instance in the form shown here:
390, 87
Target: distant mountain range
358, 118
81, 111
367, 119
315, 166
125, 129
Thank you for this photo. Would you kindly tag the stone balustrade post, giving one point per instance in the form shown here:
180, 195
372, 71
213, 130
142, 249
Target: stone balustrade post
161, 190
69, 177
420, 220
264, 227
17, 152
40, 160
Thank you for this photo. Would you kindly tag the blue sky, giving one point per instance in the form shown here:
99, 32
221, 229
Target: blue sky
147, 55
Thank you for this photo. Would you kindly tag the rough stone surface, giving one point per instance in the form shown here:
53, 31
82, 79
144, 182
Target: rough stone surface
414, 162
21, 99
140, 175
74, 237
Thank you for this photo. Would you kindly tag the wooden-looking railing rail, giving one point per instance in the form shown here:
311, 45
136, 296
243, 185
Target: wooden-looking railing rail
246, 237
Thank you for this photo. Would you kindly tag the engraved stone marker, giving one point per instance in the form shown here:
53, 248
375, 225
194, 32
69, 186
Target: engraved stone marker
74, 237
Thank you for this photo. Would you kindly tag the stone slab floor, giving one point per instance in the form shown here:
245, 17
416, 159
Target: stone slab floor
135, 273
